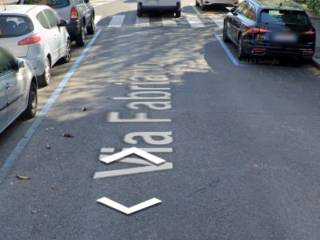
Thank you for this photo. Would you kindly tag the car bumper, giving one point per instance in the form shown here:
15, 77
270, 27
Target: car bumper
37, 65
157, 8
262, 50
224, 2
74, 28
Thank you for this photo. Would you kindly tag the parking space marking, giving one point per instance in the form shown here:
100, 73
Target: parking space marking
142, 22
15, 154
193, 20
116, 21
169, 22
97, 19
218, 20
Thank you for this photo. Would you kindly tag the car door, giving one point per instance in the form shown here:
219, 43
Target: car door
16, 84
54, 34
3, 100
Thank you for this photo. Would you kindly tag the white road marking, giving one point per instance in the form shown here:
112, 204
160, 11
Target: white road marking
97, 19
130, 171
142, 22
128, 210
97, 3
116, 21
227, 51
193, 20
218, 20
149, 150
14, 155
169, 22
130, 151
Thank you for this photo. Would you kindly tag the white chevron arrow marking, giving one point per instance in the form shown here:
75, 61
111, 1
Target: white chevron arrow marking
128, 210
130, 151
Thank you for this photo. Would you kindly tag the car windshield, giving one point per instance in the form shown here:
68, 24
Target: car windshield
14, 26
51, 3
284, 17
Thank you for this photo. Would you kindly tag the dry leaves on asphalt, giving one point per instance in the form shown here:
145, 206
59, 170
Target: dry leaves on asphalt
23, 178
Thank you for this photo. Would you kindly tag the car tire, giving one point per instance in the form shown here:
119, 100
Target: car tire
45, 78
240, 52
67, 57
177, 14
80, 39
31, 109
224, 33
92, 27
139, 10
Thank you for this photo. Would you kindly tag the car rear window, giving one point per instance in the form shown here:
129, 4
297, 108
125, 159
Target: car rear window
51, 3
284, 17
14, 26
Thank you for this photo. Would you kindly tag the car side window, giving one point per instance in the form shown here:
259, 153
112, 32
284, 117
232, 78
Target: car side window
250, 13
42, 20
6, 62
52, 18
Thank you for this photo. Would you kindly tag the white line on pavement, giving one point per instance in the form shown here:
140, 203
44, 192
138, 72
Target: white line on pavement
14, 155
227, 51
97, 19
169, 22
116, 21
193, 20
142, 22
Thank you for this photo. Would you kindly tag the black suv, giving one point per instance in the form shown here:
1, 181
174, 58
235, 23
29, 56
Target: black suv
264, 27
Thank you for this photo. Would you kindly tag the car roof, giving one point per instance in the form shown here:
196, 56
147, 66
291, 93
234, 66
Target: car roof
278, 4
18, 9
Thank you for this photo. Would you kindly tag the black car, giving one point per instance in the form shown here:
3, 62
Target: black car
264, 27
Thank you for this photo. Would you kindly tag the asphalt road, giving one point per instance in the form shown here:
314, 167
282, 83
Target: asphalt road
243, 138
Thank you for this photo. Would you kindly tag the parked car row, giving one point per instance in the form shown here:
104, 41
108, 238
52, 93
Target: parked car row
34, 36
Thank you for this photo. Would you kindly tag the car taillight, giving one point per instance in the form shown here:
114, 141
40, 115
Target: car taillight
74, 13
309, 33
32, 39
258, 30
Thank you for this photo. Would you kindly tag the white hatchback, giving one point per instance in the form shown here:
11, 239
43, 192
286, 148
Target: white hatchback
37, 34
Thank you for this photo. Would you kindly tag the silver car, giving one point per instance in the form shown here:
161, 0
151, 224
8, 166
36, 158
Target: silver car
18, 89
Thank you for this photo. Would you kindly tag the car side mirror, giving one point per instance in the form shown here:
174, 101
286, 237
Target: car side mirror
62, 23
233, 10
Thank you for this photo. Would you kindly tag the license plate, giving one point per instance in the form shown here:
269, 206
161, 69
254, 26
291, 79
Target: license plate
285, 37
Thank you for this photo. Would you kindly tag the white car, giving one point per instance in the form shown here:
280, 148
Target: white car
205, 3
145, 6
37, 34
18, 89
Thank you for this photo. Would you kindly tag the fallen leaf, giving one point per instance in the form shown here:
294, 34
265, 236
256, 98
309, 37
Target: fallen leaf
68, 135
20, 177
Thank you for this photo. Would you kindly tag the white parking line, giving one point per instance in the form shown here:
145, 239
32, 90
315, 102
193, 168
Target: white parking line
142, 22
169, 22
193, 20
227, 51
218, 20
117, 21
14, 155
97, 19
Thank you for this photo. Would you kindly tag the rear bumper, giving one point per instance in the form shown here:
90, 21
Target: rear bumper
222, 2
74, 28
264, 50
159, 8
